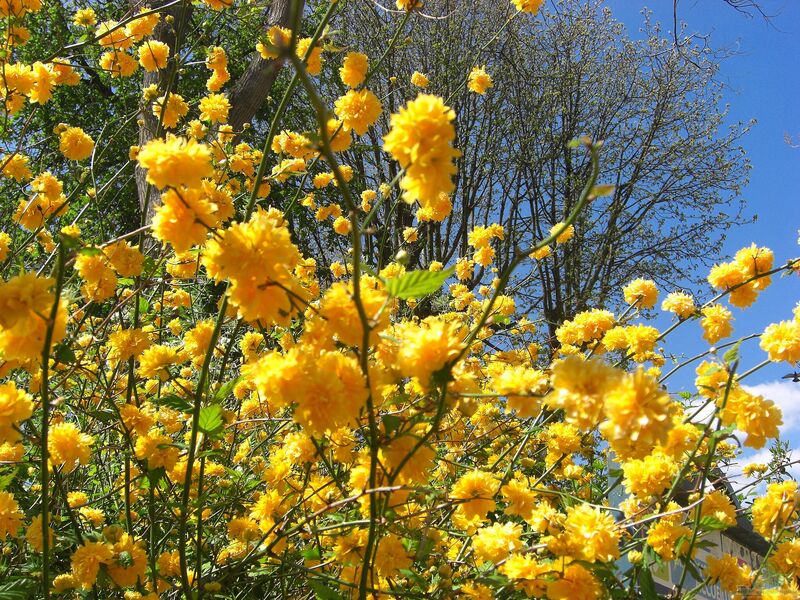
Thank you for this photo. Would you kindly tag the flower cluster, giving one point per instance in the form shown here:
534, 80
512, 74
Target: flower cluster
247, 394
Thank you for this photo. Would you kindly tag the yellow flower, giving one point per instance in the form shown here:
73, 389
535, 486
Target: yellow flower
68, 446
530, 6
85, 17
118, 64
126, 260
585, 327
727, 572
86, 562
435, 210
75, 144
726, 275
579, 387
716, 323
157, 449
16, 167
641, 292
408, 5
576, 581
339, 136
100, 281
77, 499
523, 388
111, 35
495, 542
479, 80
342, 225
214, 108
184, 218
521, 499
757, 417
218, 4
63, 583
314, 60
591, 534
391, 555
153, 55
358, 110
664, 534
328, 387
639, 415
174, 108
680, 304
33, 534
354, 69
143, 25
293, 144
781, 341
261, 290
786, 559
475, 490
420, 80
420, 139
755, 261
154, 361
649, 476
129, 562
125, 343
15, 406
541, 253
277, 39
217, 61
427, 347
527, 574
718, 505
175, 162
10, 515
340, 314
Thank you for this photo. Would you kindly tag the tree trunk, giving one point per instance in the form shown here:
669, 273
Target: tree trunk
247, 94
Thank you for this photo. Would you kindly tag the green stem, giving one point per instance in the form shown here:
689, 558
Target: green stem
45, 393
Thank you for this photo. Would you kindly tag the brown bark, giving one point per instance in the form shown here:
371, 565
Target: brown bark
255, 84
247, 94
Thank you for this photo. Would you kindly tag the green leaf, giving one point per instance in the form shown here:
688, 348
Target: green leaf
311, 553
176, 403
499, 319
732, 354
154, 476
104, 416
17, 588
709, 523
417, 284
90, 251
6, 478
425, 548
410, 574
323, 592
148, 264
647, 587
391, 423
210, 419
225, 390
64, 354
601, 190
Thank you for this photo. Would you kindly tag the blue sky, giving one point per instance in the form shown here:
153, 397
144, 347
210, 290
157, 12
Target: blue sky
762, 82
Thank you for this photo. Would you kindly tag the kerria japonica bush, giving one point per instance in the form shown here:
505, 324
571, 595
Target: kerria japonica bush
189, 408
